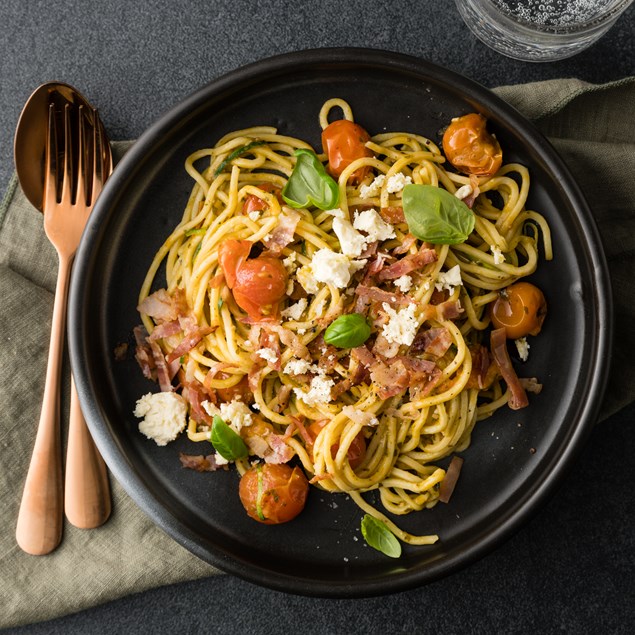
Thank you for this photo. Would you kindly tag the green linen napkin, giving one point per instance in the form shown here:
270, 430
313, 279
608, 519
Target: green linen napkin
592, 128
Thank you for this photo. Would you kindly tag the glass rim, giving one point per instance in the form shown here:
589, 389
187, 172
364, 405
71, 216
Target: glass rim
598, 21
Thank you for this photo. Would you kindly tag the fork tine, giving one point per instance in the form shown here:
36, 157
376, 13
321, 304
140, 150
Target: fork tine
82, 152
96, 159
50, 177
67, 179
106, 151
101, 157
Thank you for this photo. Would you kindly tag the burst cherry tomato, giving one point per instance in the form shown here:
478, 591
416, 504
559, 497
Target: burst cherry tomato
273, 494
231, 254
470, 148
356, 450
344, 142
254, 203
521, 309
257, 284
260, 284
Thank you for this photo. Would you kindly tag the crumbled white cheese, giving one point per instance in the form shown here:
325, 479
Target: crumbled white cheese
499, 258
220, 460
368, 191
374, 225
337, 212
523, 348
403, 283
464, 191
331, 268
319, 391
402, 325
352, 243
235, 414
290, 262
268, 354
164, 416
307, 279
356, 265
449, 279
360, 416
296, 310
299, 367
397, 182
254, 215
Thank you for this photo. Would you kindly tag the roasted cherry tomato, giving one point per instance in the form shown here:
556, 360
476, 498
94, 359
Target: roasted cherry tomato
254, 203
470, 148
260, 284
231, 254
521, 309
356, 450
273, 494
257, 284
343, 142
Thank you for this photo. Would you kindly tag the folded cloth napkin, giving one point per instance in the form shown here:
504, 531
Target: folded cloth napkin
590, 126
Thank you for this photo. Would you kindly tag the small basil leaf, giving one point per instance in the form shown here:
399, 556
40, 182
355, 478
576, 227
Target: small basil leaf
226, 442
309, 184
236, 153
348, 331
435, 215
379, 537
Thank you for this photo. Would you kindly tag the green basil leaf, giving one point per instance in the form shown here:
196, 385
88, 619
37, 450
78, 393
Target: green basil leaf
236, 153
309, 184
379, 537
435, 215
348, 331
226, 442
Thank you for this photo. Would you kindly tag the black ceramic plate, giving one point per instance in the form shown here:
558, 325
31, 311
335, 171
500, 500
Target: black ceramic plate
515, 458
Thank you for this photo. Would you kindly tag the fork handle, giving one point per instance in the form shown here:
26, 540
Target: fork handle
86, 489
40, 519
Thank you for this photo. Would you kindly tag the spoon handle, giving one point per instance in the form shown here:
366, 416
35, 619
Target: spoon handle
39, 527
86, 489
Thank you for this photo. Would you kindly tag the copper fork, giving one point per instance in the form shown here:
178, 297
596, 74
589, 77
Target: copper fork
66, 210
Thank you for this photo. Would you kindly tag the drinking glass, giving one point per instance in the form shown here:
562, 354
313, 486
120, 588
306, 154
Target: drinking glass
540, 30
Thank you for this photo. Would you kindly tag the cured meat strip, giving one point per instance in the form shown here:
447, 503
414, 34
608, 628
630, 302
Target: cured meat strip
409, 263
518, 396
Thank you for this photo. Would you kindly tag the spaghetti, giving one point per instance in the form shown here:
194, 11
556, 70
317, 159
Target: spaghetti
378, 415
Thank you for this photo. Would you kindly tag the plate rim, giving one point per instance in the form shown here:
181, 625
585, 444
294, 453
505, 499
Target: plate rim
598, 367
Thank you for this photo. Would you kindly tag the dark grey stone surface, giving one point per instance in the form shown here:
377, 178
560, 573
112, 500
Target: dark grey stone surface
571, 569
135, 60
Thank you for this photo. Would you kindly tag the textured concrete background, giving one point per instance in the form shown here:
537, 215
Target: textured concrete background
571, 568
135, 60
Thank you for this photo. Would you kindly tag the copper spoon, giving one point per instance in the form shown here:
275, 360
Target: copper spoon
87, 491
